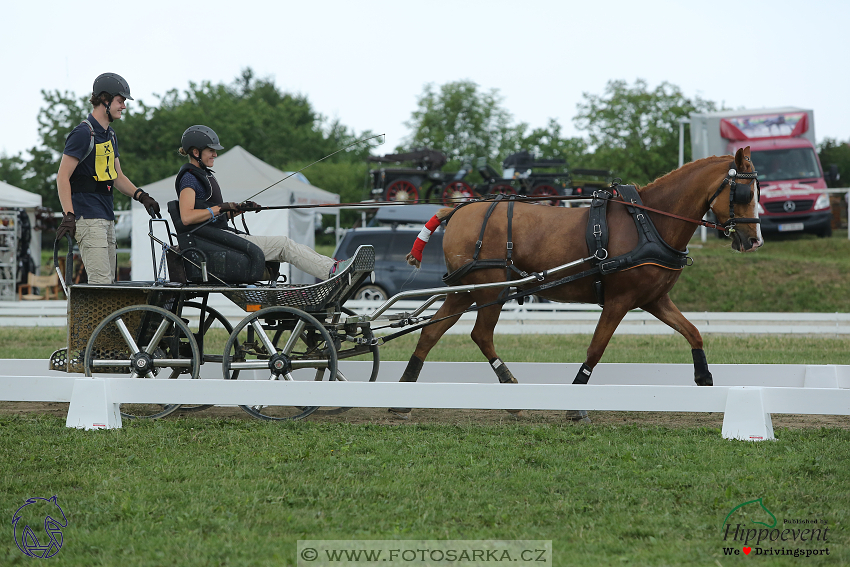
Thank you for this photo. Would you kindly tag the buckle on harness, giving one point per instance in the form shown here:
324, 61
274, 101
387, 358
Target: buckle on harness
597, 230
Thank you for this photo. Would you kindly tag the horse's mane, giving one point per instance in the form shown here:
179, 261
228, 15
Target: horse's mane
684, 170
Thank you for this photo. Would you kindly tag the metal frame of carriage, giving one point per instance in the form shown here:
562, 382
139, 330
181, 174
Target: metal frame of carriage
142, 329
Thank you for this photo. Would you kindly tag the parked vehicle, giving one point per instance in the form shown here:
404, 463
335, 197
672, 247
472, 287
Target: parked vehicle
521, 175
421, 180
782, 146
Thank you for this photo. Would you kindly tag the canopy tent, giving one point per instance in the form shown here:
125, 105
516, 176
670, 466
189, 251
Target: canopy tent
14, 198
240, 175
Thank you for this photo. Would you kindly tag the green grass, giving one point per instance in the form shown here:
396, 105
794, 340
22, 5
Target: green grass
801, 274
205, 491
40, 342
201, 491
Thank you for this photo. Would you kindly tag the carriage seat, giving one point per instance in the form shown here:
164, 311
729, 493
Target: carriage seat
229, 257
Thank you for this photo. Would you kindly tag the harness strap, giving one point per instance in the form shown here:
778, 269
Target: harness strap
484, 227
510, 245
596, 236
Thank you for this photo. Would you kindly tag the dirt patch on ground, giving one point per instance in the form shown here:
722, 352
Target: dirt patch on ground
475, 417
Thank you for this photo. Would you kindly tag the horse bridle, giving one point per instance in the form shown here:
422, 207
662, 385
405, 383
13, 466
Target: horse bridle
739, 194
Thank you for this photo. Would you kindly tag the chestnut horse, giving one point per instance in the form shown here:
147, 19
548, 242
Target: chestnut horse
546, 237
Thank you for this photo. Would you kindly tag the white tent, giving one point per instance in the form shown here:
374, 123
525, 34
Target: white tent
12, 197
240, 175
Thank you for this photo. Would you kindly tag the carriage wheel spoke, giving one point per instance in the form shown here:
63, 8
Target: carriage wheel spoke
264, 338
181, 362
128, 338
160, 332
109, 362
293, 338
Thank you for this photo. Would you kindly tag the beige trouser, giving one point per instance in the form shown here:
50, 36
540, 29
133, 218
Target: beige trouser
283, 249
96, 239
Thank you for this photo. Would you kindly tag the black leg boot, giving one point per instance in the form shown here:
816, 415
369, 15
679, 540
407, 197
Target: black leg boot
583, 377
701, 374
410, 374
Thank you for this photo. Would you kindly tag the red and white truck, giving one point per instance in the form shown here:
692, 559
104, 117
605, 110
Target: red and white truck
782, 145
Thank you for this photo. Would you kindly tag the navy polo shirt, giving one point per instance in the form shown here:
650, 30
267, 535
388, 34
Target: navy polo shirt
99, 165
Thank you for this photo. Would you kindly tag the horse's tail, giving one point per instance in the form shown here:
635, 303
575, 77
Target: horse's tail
414, 257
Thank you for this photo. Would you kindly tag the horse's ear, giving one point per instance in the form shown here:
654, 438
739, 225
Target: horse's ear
739, 158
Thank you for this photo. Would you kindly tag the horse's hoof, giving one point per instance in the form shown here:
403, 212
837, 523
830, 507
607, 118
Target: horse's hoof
400, 413
515, 412
577, 416
704, 380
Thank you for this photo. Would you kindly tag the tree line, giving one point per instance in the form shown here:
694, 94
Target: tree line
630, 129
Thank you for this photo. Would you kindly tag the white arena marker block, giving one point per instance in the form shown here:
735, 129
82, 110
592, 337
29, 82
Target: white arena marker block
745, 417
821, 376
91, 405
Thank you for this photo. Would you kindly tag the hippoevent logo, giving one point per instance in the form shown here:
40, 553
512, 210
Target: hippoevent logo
44, 514
765, 535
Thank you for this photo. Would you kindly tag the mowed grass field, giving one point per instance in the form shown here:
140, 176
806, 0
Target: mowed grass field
206, 490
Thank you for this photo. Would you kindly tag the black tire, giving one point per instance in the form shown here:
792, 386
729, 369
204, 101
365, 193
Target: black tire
308, 352
371, 292
146, 337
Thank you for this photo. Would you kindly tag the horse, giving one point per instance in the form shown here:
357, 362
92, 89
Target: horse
545, 237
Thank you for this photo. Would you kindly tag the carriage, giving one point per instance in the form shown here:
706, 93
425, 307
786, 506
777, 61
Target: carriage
423, 181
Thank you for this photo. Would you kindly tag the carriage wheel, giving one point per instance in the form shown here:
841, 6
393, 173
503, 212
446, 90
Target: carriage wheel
503, 189
456, 192
211, 317
143, 339
546, 190
402, 190
281, 343
351, 350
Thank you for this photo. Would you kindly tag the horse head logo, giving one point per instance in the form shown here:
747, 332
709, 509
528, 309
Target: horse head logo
27, 540
752, 509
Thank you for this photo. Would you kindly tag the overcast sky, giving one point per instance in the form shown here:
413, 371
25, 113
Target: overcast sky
366, 62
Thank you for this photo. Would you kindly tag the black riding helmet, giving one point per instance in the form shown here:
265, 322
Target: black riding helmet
111, 84
199, 137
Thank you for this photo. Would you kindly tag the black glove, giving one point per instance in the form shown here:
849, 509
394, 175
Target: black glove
68, 226
250, 206
229, 208
148, 203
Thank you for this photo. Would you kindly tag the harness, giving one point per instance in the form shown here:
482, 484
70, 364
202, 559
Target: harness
737, 198
651, 248
84, 183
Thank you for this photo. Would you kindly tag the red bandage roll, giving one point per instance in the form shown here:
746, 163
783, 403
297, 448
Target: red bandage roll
423, 237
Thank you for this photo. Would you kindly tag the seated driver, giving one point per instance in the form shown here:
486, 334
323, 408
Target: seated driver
200, 200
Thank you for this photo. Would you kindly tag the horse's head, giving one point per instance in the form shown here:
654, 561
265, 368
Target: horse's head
735, 203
